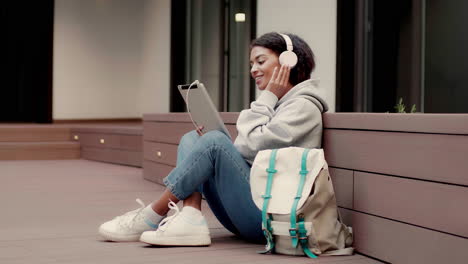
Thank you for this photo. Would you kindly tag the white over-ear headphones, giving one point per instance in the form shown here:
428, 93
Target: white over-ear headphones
288, 57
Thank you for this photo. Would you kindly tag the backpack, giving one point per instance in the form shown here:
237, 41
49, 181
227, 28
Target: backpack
293, 188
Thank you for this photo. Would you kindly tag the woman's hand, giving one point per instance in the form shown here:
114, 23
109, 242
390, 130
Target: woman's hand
200, 130
279, 82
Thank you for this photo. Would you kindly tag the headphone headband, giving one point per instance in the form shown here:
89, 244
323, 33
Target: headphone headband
289, 45
288, 57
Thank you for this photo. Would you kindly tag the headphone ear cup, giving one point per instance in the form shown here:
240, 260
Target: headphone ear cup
288, 58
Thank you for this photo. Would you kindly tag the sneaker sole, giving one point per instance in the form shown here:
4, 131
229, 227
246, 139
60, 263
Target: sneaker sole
193, 241
119, 238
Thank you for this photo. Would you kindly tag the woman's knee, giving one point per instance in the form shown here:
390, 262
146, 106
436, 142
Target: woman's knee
189, 139
215, 136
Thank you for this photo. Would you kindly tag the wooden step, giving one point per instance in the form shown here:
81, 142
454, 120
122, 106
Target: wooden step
34, 133
54, 150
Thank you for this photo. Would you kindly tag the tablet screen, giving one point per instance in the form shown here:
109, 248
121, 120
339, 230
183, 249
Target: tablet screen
201, 108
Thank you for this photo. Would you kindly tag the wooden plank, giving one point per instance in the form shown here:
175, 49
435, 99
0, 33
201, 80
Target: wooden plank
160, 153
343, 185
433, 205
155, 172
165, 132
98, 121
166, 117
228, 117
39, 150
131, 142
396, 242
99, 140
425, 123
117, 156
172, 132
422, 156
136, 129
33, 133
114, 141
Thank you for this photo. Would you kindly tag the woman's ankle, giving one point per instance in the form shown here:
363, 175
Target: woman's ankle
194, 200
160, 206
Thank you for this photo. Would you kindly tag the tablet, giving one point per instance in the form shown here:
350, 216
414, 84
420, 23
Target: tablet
201, 108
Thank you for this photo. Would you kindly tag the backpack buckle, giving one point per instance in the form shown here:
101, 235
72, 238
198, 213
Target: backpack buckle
293, 232
303, 235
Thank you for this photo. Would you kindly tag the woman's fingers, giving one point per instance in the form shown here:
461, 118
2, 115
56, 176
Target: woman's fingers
200, 130
280, 75
274, 75
282, 79
279, 81
286, 76
271, 83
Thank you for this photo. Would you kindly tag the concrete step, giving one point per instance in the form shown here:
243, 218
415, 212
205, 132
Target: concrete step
34, 133
52, 150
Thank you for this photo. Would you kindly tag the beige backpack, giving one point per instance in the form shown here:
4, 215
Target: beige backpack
292, 187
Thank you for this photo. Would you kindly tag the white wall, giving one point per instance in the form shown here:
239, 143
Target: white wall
111, 58
153, 96
315, 22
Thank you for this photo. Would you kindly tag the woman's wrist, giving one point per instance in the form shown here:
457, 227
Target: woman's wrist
268, 98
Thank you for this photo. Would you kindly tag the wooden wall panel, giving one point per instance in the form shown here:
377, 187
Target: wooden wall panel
155, 172
161, 153
401, 243
423, 156
433, 205
343, 185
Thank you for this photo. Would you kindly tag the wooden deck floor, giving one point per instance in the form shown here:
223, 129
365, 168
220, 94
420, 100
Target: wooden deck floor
50, 212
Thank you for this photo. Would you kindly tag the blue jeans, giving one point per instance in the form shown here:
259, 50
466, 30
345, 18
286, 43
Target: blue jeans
212, 165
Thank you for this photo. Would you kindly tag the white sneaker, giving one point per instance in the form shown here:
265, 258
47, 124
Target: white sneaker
127, 227
185, 228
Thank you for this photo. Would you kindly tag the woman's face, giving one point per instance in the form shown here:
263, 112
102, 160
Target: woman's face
262, 61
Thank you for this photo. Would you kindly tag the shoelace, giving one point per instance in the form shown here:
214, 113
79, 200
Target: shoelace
124, 219
167, 220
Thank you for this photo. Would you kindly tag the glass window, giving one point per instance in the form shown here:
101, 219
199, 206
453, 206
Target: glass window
214, 49
446, 57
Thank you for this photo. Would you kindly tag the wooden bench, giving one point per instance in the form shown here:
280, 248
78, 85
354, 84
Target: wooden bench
401, 180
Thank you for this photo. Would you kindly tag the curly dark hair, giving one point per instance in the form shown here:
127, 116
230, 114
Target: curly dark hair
305, 57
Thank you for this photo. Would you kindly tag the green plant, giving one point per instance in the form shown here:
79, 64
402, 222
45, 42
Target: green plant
400, 107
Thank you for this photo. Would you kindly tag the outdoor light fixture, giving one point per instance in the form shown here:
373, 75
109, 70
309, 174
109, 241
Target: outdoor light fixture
240, 17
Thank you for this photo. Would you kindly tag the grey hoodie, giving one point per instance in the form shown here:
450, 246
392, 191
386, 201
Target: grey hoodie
295, 120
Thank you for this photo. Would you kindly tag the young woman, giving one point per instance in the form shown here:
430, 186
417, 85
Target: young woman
287, 113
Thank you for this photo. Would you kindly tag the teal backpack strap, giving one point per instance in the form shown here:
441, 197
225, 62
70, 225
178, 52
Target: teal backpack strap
302, 231
266, 218
293, 231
